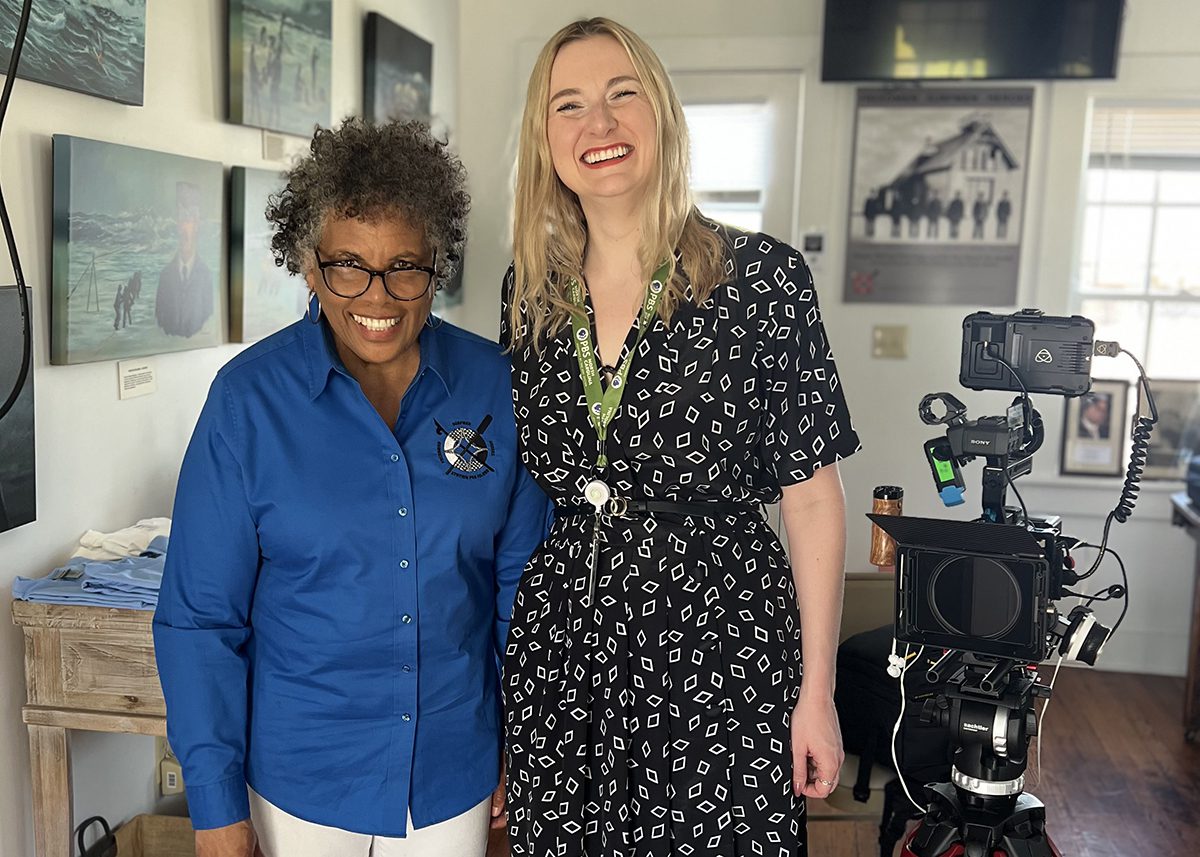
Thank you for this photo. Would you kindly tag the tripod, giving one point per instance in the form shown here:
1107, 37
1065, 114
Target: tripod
982, 812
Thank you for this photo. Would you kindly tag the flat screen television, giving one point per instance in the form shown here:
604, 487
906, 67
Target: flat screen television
888, 40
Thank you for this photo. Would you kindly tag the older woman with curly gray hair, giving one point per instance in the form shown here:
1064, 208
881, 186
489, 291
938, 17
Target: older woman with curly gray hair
350, 525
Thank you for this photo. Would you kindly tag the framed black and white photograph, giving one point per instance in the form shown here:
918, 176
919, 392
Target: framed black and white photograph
937, 195
1177, 434
1094, 430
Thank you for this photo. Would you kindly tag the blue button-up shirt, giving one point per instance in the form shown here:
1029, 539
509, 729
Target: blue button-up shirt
337, 590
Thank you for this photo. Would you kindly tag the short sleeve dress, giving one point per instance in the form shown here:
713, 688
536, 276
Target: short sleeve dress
655, 722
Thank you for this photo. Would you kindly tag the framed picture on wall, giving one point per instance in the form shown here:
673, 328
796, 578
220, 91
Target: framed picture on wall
263, 297
937, 191
397, 72
280, 67
138, 239
89, 47
18, 495
1094, 429
1177, 434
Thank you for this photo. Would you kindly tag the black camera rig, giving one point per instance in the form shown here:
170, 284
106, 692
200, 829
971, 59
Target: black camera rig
986, 591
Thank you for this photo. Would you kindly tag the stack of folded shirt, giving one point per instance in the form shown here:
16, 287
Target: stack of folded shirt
130, 582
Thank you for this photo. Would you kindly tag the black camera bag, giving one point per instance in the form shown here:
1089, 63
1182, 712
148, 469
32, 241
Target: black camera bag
868, 703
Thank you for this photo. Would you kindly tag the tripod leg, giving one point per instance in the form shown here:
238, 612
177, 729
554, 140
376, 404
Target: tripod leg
895, 817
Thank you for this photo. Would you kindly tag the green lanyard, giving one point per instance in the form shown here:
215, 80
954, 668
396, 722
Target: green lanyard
603, 404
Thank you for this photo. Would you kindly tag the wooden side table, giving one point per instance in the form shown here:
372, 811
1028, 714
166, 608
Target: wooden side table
85, 668
1184, 514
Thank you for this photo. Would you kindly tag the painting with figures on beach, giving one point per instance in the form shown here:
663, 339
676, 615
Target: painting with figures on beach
97, 47
280, 65
263, 296
138, 241
397, 72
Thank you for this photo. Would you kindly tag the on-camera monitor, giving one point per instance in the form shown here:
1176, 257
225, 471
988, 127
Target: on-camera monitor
970, 39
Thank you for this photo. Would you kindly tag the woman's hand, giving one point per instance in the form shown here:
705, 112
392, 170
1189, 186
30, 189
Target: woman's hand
817, 753
234, 840
499, 815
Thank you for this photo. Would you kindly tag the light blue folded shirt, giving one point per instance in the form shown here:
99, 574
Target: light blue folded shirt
131, 583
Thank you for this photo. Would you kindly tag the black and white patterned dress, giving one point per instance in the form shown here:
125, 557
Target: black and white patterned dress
657, 722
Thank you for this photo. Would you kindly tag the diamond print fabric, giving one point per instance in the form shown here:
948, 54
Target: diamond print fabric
656, 722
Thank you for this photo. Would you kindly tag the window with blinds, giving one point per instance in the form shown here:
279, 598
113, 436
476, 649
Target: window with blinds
730, 153
1139, 276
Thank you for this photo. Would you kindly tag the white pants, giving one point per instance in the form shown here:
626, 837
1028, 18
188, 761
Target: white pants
284, 835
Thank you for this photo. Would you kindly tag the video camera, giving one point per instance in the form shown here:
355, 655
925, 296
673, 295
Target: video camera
989, 586
986, 591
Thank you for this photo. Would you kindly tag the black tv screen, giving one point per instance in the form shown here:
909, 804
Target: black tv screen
970, 39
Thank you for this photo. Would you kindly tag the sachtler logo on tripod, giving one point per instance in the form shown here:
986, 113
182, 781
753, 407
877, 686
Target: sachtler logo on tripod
986, 591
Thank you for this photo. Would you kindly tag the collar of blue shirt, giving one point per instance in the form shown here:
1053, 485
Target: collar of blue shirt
322, 357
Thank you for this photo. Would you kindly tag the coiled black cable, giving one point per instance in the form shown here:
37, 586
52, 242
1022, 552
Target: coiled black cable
1143, 428
22, 289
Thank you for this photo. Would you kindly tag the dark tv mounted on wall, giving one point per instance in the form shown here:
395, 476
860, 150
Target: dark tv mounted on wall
912, 40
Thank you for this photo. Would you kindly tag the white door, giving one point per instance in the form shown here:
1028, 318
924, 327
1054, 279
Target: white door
745, 146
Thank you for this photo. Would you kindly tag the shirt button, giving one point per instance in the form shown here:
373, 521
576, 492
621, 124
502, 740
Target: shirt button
406, 717
406, 619
395, 457
402, 511
406, 668
404, 563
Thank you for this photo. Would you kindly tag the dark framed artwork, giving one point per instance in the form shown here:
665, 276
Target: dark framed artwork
18, 494
263, 297
1094, 430
397, 72
97, 48
280, 64
1177, 434
138, 240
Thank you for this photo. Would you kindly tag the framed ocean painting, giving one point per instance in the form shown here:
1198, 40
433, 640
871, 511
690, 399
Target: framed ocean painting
397, 72
97, 47
138, 241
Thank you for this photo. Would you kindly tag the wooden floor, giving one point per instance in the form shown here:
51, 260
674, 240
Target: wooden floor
1118, 779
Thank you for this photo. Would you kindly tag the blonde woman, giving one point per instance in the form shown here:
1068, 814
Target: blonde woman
671, 376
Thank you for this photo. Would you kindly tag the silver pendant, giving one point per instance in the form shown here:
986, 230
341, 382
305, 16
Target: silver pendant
597, 493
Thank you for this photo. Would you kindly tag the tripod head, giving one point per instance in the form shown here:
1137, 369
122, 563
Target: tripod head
988, 707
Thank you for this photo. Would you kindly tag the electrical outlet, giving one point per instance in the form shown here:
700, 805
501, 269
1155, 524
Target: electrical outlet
171, 774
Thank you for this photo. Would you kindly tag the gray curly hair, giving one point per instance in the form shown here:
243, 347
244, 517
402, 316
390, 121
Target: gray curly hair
360, 170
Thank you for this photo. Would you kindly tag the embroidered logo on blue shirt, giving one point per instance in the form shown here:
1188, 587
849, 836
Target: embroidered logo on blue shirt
463, 448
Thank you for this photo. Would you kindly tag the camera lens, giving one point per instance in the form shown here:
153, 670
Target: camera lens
974, 596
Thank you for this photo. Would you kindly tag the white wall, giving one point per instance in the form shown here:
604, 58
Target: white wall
103, 463
1160, 58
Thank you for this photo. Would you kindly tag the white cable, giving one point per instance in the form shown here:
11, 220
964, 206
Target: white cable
900, 720
1042, 718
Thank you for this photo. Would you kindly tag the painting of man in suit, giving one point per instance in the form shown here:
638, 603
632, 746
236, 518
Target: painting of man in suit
184, 300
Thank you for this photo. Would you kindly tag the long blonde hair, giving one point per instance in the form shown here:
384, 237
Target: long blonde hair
550, 235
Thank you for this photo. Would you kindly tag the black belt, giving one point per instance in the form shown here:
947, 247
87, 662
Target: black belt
620, 507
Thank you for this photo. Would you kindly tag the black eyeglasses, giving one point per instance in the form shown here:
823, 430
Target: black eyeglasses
404, 281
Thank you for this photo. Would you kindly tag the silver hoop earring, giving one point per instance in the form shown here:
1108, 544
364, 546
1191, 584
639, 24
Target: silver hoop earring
313, 316
432, 321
